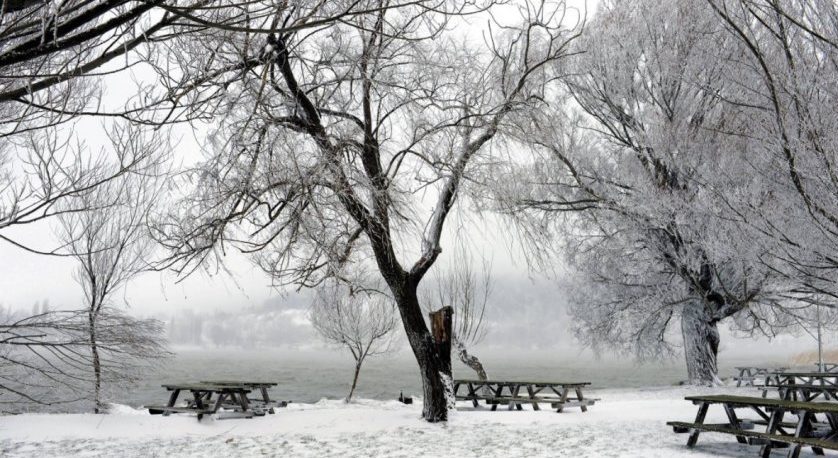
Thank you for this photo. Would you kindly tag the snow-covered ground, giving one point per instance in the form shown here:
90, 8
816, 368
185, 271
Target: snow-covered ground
622, 423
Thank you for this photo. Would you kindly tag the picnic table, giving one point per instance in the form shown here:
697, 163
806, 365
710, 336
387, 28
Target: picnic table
803, 386
802, 378
265, 403
805, 430
748, 374
227, 395
515, 393
828, 367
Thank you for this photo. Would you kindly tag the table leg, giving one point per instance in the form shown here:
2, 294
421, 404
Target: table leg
198, 396
473, 395
801, 429
772, 427
219, 402
173, 398
699, 419
266, 399
531, 393
562, 399
243, 401
513, 392
734, 422
579, 397
498, 394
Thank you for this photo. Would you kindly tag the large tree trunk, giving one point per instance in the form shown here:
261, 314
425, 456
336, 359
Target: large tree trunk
431, 366
97, 368
701, 344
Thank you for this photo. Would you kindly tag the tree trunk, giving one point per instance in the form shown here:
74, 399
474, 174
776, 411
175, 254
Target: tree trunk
355, 379
97, 368
431, 366
701, 344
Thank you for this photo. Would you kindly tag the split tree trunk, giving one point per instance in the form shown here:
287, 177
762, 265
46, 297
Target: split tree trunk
431, 366
701, 344
441, 324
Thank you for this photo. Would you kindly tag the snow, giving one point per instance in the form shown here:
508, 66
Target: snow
623, 423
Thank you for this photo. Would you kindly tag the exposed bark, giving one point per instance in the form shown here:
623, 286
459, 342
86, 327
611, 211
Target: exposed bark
701, 344
97, 366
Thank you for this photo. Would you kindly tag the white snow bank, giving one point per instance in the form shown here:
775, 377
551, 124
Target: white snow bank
624, 423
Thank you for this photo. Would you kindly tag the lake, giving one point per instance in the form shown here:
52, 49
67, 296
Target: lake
308, 376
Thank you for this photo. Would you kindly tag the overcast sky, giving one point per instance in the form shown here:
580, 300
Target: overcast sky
527, 308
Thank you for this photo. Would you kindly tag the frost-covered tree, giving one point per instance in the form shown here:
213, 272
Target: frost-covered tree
107, 235
647, 170
785, 85
360, 321
348, 145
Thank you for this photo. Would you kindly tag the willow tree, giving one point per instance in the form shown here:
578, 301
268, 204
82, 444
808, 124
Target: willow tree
640, 182
349, 144
785, 85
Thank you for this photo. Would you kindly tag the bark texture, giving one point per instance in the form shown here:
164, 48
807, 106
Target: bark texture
701, 344
97, 367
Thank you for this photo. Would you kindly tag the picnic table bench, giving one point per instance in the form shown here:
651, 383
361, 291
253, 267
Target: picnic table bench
806, 430
749, 374
516, 393
226, 395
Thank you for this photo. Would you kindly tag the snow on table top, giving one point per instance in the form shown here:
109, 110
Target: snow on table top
622, 423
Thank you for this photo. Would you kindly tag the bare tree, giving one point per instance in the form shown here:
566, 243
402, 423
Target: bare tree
108, 237
57, 56
334, 141
45, 358
467, 292
362, 322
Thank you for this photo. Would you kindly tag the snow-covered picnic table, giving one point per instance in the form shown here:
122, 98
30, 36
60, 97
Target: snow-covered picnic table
228, 394
515, 393
805, 430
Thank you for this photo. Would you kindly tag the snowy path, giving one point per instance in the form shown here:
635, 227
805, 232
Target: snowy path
622, 424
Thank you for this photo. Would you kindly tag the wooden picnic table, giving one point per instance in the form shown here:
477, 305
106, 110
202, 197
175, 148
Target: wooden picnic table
802, 378
265, 403
828, 367
234, 396
806, 430
748, 374
514, 393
